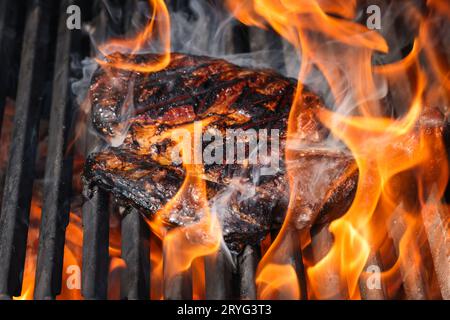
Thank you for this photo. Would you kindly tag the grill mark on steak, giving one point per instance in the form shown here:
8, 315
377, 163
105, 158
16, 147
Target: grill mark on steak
140, 172
194, 88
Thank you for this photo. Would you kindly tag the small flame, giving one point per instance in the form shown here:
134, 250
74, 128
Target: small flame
157, 32
275, 282
156, 263
31, 257
72, 260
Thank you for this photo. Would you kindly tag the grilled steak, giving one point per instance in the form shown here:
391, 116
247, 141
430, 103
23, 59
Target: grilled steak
137, 112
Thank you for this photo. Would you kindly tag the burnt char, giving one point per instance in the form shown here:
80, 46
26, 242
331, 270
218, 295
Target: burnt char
139, 110
189, 88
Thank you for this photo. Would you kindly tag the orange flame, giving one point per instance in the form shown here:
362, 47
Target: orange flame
156, 264
72, 260
72, 257
183, 245
392, 154
71, 273
402, 162
31, 257
156, 33
277, 287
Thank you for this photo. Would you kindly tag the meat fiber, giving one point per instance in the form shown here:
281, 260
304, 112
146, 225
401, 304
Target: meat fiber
136, 111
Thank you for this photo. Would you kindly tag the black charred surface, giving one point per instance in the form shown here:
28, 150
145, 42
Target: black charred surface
58, 172
140, 172
95, 246
136, 254
218, 275
11, 28
247, 263
145, 184
447, 144
179, 286
19, 177
185, 91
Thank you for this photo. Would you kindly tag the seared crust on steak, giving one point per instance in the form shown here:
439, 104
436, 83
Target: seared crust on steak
144, 108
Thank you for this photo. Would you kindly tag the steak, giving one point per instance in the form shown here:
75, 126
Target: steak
138, 112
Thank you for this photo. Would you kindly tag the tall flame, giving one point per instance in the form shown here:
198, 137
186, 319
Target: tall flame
177, 250
392, 154
183, 245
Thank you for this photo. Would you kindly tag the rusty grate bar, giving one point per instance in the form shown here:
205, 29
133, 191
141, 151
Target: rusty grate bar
19, 177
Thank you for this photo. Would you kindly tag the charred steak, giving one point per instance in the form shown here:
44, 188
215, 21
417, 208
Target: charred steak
136, 111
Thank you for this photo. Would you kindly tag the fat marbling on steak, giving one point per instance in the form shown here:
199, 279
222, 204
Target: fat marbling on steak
139, 172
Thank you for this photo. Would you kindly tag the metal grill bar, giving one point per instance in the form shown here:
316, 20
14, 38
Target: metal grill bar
297, 262
179, 287
218, 272
136, 253
178, 5
9, 46
96, 210
14, 217
218, 268
321, 243
413, 283
133, 15
19, 177
247, 263
368, 293
437, 230
218, 276
58, 171
95, 246
135, 231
